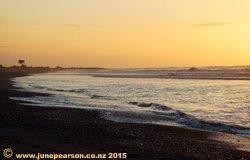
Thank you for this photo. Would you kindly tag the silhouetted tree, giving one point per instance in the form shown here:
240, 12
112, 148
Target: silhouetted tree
22, 62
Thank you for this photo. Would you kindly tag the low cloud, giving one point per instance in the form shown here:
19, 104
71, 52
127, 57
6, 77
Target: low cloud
78, 25
31, 23
23, 23
73, 25
7, 46
211, 24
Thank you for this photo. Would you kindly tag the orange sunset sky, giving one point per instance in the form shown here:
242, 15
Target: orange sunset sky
125, 33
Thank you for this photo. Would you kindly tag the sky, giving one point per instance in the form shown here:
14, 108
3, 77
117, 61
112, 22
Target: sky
125, 33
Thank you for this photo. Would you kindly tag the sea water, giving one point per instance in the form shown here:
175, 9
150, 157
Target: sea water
216, 105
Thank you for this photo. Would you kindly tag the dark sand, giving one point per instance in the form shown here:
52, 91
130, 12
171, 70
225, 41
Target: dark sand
32, 129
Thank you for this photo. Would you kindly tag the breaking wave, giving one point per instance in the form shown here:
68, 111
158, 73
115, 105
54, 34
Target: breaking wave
187, 120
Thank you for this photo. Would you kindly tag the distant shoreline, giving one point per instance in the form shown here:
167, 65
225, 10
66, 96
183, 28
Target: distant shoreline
214, 73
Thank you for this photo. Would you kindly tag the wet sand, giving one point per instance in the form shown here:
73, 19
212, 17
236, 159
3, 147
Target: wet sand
32, 129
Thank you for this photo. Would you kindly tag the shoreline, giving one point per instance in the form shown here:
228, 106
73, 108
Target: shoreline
67, 130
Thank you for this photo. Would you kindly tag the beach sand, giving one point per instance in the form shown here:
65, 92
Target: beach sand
32, 129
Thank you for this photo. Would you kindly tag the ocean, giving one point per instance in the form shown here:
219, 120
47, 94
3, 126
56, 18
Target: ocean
214, 105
